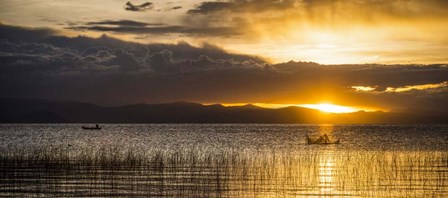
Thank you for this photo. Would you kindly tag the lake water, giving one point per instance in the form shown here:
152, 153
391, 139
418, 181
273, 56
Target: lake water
223, 160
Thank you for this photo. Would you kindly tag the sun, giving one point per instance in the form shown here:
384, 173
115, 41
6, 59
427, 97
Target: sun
330, 108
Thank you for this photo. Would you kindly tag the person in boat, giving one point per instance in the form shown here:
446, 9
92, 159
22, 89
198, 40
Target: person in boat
308, 139
326, 139
323, 139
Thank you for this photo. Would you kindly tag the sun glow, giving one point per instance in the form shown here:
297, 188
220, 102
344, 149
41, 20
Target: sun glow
330, 108
324, 107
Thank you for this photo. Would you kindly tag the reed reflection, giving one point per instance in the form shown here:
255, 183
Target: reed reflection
301, 170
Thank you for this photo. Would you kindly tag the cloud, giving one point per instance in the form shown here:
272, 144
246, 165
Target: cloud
175, 8
278, 18
408, 88
182, 50
255, 18
210, 31
396, 7
123, 23
105, 52
21, 34
431, 87
136, 27
209, 7
109, 71
138, 8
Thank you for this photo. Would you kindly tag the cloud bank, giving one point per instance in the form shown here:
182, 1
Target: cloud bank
108, 71
324, 31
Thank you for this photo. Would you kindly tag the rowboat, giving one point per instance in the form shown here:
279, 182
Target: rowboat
323, 139
96, 127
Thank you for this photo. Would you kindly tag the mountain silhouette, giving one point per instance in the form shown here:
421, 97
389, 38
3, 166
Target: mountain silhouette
49, 111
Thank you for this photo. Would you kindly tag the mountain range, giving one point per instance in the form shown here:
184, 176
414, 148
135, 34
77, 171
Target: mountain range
50, 111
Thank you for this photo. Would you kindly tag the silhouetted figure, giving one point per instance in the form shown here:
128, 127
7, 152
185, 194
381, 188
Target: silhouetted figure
323, 139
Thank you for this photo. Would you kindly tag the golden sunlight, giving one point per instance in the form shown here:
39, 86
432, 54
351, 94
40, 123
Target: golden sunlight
417, 87
330, 108
324, 107
363, 88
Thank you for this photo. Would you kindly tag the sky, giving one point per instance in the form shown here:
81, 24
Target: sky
374, 54
322, 31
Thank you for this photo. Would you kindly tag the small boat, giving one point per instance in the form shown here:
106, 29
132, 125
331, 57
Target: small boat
323, 139
96, 127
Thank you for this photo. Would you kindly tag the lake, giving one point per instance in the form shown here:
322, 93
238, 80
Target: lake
223, 160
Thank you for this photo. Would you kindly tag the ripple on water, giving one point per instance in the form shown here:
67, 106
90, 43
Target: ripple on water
231, 160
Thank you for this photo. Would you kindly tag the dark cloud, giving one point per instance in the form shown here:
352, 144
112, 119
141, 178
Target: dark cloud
123, 23
176, 8
138, 8
181, 50
135, 27
109, 71
373, 75
21, 34
207, 7
242, 6
103, 51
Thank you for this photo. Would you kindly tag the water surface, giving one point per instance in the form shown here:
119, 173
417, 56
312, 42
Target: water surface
228, 160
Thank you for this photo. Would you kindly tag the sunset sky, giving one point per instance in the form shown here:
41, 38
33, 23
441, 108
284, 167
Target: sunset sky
371, 54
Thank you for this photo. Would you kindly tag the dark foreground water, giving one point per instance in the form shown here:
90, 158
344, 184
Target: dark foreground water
222, 160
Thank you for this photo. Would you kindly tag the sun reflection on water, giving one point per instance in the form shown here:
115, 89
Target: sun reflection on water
114, 169
326, 173
326, 167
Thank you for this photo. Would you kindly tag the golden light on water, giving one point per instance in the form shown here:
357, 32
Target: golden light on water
326, 173
327, 164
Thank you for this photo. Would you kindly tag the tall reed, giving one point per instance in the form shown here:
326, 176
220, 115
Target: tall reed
123, 171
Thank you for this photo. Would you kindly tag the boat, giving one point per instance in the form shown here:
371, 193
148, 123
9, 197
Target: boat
96, 127
323, 139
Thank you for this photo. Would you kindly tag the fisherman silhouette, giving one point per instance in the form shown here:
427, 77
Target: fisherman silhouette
323, 139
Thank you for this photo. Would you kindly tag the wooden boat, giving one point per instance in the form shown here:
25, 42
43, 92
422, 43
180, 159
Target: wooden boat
96, 127
321, 140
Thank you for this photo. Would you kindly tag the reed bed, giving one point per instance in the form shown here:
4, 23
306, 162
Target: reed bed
123, 171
